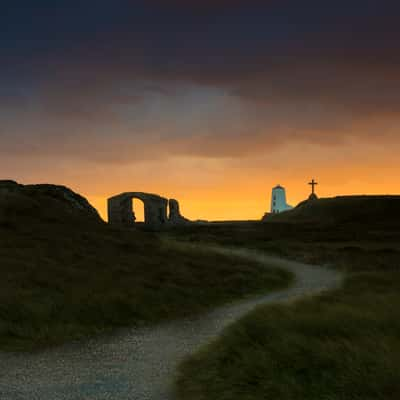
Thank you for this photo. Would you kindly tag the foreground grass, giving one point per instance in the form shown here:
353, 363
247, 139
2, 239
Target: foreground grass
344, 345
340, 345
65, 276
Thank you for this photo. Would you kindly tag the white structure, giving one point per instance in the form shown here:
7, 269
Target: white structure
278, 200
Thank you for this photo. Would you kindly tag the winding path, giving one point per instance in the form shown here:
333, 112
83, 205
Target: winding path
139, 364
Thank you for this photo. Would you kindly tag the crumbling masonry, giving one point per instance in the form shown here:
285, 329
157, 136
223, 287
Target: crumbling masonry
120, 210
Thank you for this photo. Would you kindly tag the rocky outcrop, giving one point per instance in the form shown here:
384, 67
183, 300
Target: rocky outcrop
15, 198
67, 196
7, 186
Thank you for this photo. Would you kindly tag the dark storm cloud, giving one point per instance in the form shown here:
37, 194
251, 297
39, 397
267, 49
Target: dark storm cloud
75, 63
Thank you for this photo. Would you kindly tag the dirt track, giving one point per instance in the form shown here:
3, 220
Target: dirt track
140, 364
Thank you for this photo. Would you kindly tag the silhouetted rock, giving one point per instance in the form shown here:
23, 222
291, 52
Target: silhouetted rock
43, 201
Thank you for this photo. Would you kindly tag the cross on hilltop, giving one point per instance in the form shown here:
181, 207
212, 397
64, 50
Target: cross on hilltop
313, 183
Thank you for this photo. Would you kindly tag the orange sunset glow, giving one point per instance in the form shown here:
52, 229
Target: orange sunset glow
257, 94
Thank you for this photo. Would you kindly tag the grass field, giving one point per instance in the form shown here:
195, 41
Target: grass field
341, 345
67, 275
344, 345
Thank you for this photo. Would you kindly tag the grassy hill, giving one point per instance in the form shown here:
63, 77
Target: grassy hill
375, 210
337, 346
43, 204
66, 274
363, 230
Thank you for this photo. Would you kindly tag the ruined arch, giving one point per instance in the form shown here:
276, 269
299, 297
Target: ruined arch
138, 210
175, 216
120, 211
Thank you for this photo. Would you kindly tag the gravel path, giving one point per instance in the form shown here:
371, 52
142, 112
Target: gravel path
139, 364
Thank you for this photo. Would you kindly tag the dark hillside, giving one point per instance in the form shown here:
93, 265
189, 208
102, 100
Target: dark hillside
356, 232
341, 345
66, 274
27, 204
365, 210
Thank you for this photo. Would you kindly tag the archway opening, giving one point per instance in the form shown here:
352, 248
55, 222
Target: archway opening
138, 210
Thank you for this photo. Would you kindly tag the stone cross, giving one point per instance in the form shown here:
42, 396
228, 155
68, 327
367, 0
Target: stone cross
313, 183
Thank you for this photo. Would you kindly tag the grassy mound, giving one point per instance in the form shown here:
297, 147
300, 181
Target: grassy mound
66, 274
342, 345
345, 209
30, 204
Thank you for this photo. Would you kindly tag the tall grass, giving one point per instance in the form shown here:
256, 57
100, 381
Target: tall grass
343, 345
66, 276
338, 346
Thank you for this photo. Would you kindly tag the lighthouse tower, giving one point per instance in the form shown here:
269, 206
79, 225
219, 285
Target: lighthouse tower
278, 200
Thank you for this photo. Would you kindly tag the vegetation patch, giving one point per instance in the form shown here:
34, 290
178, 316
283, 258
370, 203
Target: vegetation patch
340, 345
67, 275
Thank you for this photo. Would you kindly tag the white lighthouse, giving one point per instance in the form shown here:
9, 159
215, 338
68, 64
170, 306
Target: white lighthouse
278, 200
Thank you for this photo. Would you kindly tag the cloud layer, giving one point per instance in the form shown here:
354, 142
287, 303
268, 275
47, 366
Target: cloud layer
143, 85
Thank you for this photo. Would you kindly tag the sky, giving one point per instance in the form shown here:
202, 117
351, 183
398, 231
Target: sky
209, 102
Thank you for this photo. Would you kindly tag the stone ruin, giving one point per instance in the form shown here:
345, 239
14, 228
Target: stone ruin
120, 211
175, 216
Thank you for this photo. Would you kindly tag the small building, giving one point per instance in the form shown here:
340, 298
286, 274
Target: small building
278, 200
